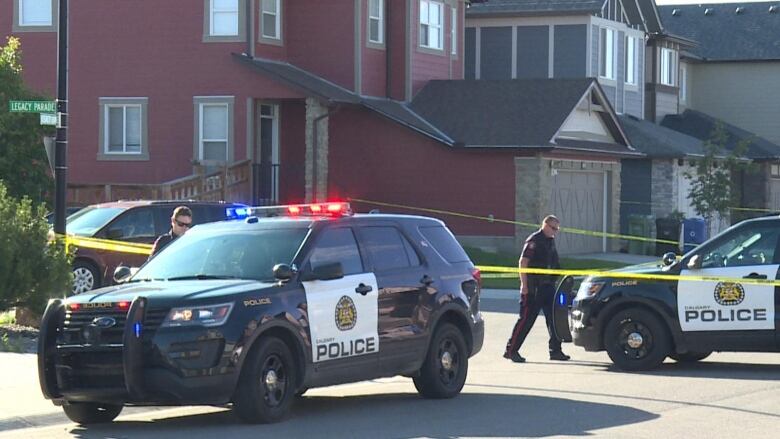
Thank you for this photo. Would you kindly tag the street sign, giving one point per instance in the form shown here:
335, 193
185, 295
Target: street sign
48, 118
32, 106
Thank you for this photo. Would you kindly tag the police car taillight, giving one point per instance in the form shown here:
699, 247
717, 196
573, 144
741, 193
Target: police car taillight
313, 209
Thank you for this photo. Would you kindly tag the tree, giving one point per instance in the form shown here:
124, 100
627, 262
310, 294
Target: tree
712, 189
23, 163
32, 269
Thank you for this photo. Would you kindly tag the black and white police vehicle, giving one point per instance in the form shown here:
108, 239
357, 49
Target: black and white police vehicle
256, 311
641, 322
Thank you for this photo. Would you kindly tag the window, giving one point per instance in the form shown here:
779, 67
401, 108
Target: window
454, 31
668, 66
607, 52
270, 19
683, 83
444, 243
135, 224
35, 13
431, 24
123, 131
749, 246
387, 248
224, 18
376, 21
632, 47
337, 245
213, 138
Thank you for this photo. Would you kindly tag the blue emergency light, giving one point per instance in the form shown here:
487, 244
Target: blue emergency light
137, 329
236, 212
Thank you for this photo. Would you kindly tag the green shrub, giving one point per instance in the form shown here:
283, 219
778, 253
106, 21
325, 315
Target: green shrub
32, 269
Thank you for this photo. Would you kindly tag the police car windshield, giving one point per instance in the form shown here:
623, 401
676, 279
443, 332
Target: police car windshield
89, 220
245, 254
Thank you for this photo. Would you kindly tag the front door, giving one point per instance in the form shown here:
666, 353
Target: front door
342, 312
718, 308
265, 166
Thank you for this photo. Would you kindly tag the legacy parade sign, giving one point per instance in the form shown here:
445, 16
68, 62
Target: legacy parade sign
32, 106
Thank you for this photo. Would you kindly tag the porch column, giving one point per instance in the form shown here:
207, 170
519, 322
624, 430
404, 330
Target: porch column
316, 166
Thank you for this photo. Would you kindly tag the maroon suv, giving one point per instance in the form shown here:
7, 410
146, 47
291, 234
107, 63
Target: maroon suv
128, 221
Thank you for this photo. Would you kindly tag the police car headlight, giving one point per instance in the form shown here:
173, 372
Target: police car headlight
589, 288
207, 315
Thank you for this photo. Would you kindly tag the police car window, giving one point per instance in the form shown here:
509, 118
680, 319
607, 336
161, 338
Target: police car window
749, 246
337, 245
386, 248
444, 243
135, 223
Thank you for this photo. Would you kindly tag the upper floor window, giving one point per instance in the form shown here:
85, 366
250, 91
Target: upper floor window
376, 21
35, 13
632, 47
607, 51
668, 66
224, 17
123, 128
431, 29
270, 16
454, 31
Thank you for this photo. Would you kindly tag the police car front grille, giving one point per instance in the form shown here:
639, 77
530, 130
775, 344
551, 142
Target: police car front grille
73, 333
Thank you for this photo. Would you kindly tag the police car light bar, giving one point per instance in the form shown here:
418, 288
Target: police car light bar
313, 209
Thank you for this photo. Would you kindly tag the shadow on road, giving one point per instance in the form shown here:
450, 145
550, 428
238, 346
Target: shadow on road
714, 369
396, 416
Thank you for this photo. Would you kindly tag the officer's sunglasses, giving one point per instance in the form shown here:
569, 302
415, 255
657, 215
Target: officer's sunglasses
181, 224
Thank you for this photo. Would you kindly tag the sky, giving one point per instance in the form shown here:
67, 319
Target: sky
694, 2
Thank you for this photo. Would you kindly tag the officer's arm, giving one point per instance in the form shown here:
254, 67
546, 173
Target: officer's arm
524, 276
155, 247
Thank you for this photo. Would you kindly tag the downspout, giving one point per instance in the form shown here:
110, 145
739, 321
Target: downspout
388, 57
250, 32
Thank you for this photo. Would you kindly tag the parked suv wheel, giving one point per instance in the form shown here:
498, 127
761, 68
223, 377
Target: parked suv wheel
85, 277
636, 339
266, 389
443, 373
85, 413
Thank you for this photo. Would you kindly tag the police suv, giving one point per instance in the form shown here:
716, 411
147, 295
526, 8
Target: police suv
641, 322
254, 312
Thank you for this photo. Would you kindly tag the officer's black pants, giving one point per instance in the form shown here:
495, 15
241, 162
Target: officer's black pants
538, 298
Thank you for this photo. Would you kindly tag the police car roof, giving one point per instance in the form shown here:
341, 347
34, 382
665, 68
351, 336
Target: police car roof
288, 221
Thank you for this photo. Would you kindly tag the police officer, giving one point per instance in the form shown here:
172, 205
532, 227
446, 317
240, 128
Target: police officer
181, 221
537, 290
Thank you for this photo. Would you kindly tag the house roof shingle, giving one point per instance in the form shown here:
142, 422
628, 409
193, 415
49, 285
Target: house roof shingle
701, 126
657, 141
753, 33
533, 7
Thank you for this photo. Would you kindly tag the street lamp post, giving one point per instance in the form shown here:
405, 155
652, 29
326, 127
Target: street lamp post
61, 146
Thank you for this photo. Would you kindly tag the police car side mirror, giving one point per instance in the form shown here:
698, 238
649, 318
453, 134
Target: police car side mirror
694, 263
122, 273
668, 259
329, 271
283, 272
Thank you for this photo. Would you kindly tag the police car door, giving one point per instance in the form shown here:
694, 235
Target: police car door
342, 311
747, 252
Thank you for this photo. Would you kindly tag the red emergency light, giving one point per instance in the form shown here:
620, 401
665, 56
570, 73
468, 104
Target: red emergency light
338, 208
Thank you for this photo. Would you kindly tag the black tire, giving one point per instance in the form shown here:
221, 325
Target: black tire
689, 357
86, 413
636, 339
267, 384
85, 277
443, 373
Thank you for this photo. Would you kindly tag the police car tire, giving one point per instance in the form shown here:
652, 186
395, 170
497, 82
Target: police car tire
86, 413
250, 400
654, 333
689, 357
432, 381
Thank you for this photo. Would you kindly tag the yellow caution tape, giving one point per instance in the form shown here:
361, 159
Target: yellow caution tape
519, 223
108, 245
626, 275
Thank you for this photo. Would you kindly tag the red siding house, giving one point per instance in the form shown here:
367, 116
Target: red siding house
282, 101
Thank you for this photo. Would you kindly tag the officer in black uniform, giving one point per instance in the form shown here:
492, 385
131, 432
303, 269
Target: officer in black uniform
181, 221
537, 290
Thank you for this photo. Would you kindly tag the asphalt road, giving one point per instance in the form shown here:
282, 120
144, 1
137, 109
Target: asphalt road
727, 395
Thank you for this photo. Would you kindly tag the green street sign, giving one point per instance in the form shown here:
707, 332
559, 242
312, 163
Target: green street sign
32, 106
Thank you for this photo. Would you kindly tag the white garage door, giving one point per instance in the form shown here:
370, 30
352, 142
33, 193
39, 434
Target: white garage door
578, 199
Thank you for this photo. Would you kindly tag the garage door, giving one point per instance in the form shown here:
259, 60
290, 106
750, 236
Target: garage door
775, 194
578, 200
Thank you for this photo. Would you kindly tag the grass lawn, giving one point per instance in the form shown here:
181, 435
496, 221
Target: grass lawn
481, 257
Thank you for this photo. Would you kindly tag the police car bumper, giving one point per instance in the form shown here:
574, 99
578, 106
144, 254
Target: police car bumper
584, 332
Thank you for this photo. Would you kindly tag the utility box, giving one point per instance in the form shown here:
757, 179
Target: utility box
640, 225
667, 229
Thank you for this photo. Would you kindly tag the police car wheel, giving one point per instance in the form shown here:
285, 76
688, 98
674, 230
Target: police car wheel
85, 413
446, 364
689, 357
636, 339
266, 387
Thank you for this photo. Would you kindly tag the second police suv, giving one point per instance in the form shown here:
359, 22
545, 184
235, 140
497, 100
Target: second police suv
725, 300
254, 312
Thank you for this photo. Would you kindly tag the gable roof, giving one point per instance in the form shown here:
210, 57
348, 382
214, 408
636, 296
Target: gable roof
513, 113
701, 126
657, 141
753, 33
643, 13
491, 8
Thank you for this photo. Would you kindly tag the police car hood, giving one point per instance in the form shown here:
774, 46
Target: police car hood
646, 268
171, 293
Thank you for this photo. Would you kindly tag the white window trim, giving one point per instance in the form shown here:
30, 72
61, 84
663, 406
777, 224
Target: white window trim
213, 10
21, 14
633, 43
381, 22
106, 103
454, 30
202, 139
440, 26
107, 131
277, 21
18, 13
611, 70
668, 66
